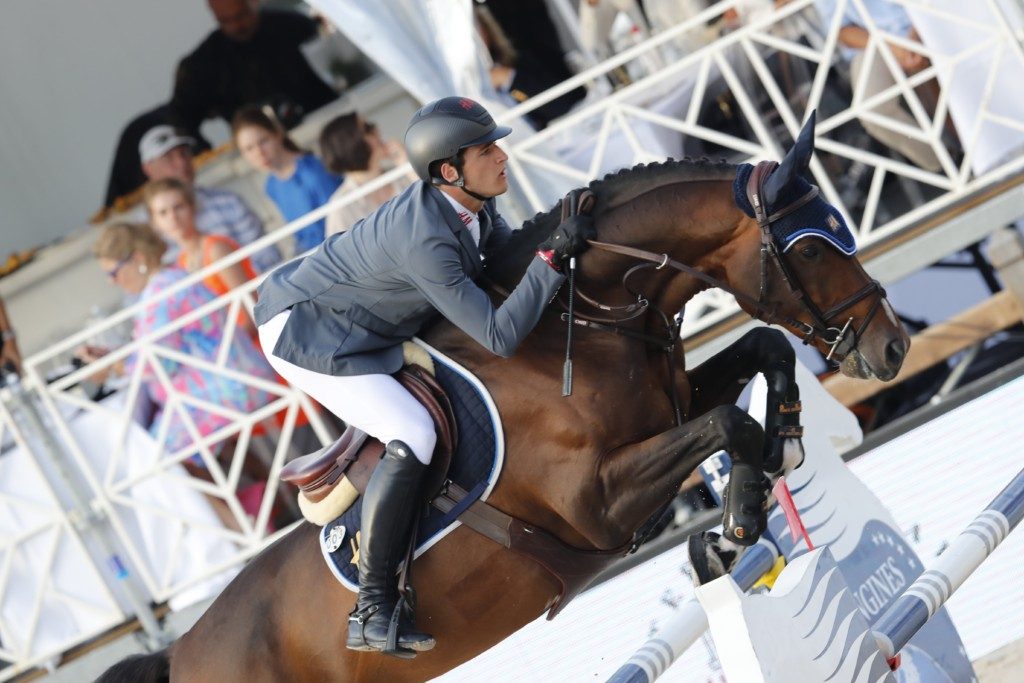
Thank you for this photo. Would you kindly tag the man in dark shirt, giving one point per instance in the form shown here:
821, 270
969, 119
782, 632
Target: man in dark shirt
253, 57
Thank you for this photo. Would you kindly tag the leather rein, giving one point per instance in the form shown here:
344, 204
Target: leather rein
821, 328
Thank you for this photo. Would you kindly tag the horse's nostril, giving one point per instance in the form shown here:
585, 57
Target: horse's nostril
894, 353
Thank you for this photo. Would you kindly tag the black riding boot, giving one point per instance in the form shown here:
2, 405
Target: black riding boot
390, 505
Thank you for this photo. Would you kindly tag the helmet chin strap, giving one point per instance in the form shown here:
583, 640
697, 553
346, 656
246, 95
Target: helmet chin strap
474, 194
460, 182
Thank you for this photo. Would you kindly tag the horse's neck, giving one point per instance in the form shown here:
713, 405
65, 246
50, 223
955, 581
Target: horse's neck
694, 223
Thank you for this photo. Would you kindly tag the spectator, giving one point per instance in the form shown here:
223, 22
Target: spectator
853, 39
172, 210
126, 176
520, 75
297, 182
131, 255
166, 153
254, 56
10, 356
352, 147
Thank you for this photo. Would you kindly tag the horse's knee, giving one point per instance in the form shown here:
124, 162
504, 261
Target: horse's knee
771, 346
741, 435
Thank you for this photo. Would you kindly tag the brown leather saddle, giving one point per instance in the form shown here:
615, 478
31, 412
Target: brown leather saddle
355, 454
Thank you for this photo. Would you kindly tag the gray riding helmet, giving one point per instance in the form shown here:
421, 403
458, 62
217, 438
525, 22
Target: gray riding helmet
444, 127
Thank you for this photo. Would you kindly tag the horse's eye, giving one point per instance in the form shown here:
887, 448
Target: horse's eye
810, 252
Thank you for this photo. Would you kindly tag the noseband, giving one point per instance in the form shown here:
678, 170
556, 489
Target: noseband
821, 328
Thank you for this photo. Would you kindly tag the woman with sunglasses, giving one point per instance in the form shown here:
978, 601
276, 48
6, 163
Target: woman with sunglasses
130, 255
352, 147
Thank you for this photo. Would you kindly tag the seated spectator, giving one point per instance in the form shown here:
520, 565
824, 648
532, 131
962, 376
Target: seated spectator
131, 255
352, 147
126, 176
172, 210
297, 182
853, 39
10, 356
166, 153
520, 75
253, 56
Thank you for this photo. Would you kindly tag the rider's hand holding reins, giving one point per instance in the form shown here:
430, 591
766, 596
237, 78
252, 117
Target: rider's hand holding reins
570, 237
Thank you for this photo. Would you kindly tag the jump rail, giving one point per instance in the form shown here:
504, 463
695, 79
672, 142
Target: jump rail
933, 588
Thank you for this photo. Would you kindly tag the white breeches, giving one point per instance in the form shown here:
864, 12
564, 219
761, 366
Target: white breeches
376, 404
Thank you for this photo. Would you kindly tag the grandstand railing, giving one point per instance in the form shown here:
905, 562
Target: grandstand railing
766, 116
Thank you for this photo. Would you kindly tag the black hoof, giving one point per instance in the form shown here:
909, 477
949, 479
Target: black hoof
708, 559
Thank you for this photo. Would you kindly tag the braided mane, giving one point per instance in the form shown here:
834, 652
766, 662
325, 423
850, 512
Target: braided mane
610, 191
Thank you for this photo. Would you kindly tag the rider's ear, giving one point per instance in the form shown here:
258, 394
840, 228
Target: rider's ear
449, 172
793, 164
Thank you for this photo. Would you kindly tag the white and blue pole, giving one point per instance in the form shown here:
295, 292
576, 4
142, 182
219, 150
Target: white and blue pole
933, 588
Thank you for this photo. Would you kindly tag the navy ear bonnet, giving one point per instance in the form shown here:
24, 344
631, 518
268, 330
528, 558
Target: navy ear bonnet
817, 218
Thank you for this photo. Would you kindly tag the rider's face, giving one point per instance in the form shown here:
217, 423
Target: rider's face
484, 169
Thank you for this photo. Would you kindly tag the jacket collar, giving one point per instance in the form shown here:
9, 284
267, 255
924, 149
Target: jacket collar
456, 224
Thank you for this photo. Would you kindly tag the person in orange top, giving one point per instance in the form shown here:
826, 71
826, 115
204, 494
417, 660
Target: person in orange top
172, 211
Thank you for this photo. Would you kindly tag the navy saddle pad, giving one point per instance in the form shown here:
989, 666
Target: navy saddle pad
475, 467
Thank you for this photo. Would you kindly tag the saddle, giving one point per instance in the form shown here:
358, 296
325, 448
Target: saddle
330, 480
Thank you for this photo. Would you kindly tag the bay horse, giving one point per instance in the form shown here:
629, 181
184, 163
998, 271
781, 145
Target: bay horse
589, 468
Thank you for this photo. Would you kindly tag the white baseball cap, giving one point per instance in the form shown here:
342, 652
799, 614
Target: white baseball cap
160, 140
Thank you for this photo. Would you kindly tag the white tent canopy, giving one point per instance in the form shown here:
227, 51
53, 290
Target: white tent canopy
429, 47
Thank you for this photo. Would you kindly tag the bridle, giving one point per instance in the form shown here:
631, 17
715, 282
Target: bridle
821, 327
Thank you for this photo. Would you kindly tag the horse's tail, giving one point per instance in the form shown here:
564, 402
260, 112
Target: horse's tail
151, 668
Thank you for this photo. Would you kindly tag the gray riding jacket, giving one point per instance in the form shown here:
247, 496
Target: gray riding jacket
363, 292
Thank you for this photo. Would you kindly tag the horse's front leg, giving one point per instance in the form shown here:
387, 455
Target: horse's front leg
720, 379
636, 480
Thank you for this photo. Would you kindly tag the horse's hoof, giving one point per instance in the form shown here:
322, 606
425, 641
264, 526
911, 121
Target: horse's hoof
710, 557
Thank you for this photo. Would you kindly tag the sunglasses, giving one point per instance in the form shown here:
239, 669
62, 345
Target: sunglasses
112, 273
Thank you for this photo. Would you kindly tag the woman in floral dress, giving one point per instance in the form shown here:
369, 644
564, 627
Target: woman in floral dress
130, 255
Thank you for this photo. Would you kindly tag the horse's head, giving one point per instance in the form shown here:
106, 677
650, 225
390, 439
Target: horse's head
810, 280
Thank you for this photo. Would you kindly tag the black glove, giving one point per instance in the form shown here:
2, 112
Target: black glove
570, 237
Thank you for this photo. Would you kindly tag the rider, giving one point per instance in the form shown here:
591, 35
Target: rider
333, 324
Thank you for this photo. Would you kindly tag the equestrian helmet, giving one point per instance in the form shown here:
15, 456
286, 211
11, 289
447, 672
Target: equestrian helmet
443, 128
